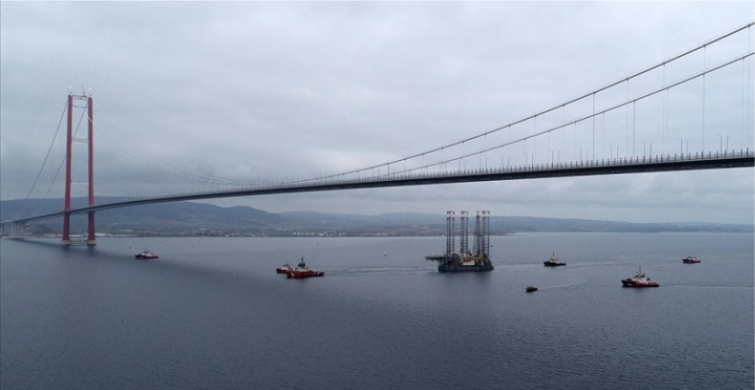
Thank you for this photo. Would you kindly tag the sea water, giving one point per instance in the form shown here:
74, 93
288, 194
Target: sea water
211, 313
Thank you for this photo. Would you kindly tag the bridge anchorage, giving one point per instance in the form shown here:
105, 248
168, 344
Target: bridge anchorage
14, 230
66, 237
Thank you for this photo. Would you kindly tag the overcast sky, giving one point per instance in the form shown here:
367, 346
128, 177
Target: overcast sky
261, 91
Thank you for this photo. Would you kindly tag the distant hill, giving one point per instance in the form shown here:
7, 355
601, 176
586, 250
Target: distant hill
164, 217
188, 218
509, 224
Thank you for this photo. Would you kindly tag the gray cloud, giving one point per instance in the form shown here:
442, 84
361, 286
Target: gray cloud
262, 91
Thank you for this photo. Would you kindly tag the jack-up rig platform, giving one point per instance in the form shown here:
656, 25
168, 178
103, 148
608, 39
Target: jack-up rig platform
476, 260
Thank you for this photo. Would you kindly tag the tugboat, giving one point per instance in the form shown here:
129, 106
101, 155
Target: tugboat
301, 271
690, 260
146, 255
283, 269
639, 280
553, 262
531, 288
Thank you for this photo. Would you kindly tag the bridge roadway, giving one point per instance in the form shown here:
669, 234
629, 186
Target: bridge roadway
591, 168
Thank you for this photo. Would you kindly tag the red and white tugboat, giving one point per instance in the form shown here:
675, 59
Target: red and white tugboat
639, 280
301, 271
690, 260
284, 269
146, 255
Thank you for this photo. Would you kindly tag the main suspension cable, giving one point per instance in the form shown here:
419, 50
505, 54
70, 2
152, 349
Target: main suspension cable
48, 152
204, 178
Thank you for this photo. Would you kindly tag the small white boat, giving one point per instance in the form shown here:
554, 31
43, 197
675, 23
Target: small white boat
146, 255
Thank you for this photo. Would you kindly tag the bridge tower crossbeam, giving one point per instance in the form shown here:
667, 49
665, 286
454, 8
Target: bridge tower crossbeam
66, 236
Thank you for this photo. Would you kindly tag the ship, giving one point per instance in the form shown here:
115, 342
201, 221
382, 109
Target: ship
553, 262
302, 271
690, 260
284, 269
466, 260
530, 288
146, 255
639, 280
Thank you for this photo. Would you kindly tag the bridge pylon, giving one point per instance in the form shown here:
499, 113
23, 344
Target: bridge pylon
66, 236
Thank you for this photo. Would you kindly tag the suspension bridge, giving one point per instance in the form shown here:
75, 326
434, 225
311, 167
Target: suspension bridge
690, 106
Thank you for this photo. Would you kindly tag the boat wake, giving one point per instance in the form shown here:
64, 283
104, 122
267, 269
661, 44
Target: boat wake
566, 285
385, 270
715, 287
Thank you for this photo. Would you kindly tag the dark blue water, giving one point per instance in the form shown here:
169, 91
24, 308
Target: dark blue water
212, 314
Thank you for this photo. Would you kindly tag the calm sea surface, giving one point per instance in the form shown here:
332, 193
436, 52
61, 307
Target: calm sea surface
212, 313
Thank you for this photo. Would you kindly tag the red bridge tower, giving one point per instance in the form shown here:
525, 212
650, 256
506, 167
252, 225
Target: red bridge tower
66, 239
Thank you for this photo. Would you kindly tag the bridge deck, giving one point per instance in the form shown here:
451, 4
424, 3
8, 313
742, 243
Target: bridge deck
571, 169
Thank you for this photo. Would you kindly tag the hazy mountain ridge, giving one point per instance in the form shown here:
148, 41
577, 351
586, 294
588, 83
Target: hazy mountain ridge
171, 216
192, 218
525, 224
